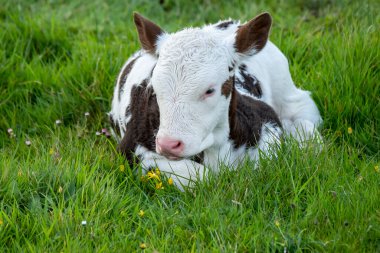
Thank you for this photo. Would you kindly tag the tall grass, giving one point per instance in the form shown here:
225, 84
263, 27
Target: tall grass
59, 59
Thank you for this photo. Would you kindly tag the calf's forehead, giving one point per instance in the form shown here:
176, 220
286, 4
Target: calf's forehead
192, 56
191, 71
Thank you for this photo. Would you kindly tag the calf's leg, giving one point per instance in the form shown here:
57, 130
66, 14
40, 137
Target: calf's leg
184, 172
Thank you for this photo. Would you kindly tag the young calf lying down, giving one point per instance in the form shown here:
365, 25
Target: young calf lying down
207, 95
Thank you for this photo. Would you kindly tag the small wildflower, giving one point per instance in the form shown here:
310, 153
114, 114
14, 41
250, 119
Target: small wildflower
121, 167
141, 213
106, 133
277, 223
170, 181
58, 122
349, 130
377, 168
83, 223
51, 151
28, 142
142, 245
10, 132
159, 186
360, 178
98, 133
158, 172
86, 114
60, 189
152, 174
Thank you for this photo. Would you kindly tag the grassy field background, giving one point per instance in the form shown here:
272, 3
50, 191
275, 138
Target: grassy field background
59, 60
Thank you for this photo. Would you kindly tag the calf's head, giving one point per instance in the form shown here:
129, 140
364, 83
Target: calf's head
193, 80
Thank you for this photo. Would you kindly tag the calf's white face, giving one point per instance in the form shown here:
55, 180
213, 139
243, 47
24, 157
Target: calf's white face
192, 81
187, 80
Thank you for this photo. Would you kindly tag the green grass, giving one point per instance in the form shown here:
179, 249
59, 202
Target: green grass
59, 59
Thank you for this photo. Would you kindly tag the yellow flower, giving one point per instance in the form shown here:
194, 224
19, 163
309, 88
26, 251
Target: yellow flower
277, 223
141, 213
122, 167
170, 181
349, 130
151, 175
377, 168
142, 245
51, 151
158, 172
159, 186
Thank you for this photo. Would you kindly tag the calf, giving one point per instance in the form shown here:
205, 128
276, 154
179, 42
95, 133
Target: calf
207, 95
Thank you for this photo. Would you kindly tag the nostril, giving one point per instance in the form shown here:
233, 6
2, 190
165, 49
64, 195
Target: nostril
178, 145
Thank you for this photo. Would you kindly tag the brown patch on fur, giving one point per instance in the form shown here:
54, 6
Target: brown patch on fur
124, 75
246, 118
249, 83
143, 125
253, 34
127, 111
148, 32
227, 86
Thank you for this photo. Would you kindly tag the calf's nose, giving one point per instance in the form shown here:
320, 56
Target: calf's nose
169, 147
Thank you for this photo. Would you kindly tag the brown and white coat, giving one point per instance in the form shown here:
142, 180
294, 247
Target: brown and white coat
193, 99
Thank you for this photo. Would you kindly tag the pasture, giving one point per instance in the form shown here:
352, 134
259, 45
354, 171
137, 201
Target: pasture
64, 187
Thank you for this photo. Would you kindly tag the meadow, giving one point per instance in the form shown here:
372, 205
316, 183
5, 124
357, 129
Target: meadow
65, 188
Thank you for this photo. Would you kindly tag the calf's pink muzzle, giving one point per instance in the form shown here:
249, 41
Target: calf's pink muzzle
169, 147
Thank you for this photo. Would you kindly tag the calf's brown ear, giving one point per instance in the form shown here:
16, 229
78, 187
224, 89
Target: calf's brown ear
253, 35
148, 32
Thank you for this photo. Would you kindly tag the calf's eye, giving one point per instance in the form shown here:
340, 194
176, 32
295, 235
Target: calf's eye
210, 91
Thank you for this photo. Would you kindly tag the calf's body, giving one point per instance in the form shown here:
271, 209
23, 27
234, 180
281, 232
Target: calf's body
218, 94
